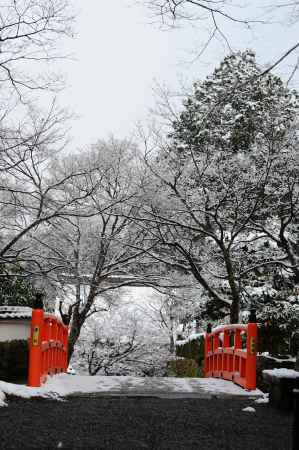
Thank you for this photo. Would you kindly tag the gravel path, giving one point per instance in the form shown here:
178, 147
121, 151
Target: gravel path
143, 423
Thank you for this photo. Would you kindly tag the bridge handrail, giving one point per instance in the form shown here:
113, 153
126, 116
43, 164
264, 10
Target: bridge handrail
48, 347
222, 328
232, 362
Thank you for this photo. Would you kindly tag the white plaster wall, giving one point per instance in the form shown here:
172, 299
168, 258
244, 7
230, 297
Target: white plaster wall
12, 330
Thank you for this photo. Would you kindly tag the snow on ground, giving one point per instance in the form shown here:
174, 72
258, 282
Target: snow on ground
249, 409
264, 399
283, 373
219, 386
63, 385
287, 359
2, 398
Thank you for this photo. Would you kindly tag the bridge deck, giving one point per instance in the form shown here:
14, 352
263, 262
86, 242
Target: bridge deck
83, 385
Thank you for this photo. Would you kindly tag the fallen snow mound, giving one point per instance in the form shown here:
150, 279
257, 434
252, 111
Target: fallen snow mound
249, 409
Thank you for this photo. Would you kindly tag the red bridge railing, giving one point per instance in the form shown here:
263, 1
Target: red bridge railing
230, 353
47, 347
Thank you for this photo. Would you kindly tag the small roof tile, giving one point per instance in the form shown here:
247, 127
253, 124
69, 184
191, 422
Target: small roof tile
15, 312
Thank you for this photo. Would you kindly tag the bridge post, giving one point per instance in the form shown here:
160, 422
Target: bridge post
35, 350
296, 420
47, 347
251, 356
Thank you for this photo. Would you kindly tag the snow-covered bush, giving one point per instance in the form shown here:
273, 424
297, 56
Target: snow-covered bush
278, 319
192, 348
274, 296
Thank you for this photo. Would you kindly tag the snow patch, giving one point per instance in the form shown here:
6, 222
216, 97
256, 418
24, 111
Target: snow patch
290, 358
192, 337
282, 373
264, 399
2, 399
249, 409
220, 386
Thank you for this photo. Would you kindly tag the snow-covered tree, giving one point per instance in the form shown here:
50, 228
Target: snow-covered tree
218, 17
36, 188
230, 164
176, 311
99, 249
30, 138
30, 31
124, 340
15, 289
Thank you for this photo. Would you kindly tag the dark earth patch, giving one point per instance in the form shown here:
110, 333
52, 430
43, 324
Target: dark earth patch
137, 423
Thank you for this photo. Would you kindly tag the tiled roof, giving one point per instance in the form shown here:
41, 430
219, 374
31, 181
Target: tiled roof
15, 312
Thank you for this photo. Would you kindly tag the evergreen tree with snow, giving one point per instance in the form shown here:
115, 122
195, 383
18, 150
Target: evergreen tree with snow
15, 289
227, 181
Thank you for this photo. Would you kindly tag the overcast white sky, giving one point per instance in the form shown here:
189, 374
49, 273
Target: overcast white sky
119, 54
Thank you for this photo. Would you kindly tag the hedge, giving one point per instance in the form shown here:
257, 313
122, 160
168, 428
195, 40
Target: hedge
183, 368
193, 349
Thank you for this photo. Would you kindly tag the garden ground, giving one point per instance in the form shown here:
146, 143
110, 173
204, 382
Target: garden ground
152, 423
135, 413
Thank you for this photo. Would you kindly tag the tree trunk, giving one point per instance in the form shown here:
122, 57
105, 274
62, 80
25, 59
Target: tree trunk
76, 326
235, 311
235, 306
171, 344
292, 255
78, 320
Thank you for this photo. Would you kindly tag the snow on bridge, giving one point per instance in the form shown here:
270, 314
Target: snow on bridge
63, 385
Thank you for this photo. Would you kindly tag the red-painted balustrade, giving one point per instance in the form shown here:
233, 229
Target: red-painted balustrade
230, 353
47, 347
